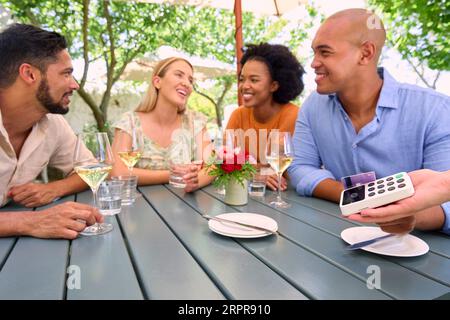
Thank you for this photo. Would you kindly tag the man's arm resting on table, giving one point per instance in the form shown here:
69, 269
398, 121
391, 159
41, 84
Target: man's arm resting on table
17, 223
62, 221
329, 189
69, 185
38, 194
13, 224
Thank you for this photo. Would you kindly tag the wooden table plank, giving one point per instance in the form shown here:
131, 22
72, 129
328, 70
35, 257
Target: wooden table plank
435, 264
161, 248
303, 269
165, 268
299, 224
238, 273
437, 241
105, 267
6, 244
36, 268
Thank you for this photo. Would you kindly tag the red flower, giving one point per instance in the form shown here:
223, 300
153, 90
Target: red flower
224, 156
232, 161
228, 168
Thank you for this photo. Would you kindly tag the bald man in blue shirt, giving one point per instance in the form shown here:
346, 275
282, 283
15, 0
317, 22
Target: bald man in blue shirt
361, 119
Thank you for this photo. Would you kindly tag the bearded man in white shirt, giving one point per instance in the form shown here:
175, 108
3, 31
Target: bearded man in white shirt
36, 83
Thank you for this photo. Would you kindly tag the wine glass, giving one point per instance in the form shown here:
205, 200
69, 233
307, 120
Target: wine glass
218, 142
93, 168
198, 148
132, 146
279, 154
199, 141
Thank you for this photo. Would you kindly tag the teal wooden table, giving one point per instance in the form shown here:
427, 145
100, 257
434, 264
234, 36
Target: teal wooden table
162, 248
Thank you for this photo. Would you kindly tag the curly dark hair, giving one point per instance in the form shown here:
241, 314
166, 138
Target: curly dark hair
283, 67
23, 43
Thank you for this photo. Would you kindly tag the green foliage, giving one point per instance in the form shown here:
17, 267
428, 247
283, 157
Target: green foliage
203, 105
90, 129
119, 31
239, 173
418, 29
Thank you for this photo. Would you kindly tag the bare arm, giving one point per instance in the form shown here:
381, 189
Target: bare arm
62, 221
329, 189
148, 177
145, 176
430, 219
204, 178
272, 182
38, 194
12, 223
70, 185
198, 178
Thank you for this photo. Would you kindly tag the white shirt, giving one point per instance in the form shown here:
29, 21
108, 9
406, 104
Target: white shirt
51, 142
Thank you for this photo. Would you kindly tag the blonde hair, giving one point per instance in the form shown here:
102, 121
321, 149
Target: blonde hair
148, 102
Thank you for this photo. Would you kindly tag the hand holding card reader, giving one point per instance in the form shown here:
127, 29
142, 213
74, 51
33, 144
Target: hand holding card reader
376, 193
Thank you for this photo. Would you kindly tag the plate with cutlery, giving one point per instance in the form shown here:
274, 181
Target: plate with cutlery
242, 225
375, 240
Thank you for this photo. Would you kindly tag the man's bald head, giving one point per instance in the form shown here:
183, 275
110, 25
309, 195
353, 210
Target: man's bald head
358, 26
347, 48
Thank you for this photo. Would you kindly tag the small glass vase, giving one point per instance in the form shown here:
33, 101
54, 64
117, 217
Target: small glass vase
235, 193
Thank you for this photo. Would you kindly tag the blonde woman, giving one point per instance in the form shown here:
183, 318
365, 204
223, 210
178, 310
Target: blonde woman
161, 113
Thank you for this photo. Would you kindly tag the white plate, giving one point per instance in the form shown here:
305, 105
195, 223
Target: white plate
399, 246
236, 231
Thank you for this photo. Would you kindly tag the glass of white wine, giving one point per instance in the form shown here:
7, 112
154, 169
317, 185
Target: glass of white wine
131, 146
218, 144
93, 167
279, 154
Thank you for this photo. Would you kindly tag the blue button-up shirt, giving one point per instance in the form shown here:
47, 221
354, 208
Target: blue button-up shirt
410, 131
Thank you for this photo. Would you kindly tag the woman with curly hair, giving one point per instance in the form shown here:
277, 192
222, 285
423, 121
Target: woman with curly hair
270, 78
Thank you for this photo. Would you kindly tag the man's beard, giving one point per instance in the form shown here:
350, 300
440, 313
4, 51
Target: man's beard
43, 96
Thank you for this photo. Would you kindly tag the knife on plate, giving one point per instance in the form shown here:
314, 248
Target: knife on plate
365, 243
239, 224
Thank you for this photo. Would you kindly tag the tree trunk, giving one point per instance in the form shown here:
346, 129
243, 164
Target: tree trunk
219, 103
98, 114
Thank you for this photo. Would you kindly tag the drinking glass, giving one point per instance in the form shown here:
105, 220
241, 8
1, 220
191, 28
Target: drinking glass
257, 185
131, 146
279, 154
179, 164
186, 152
93, 169
218, 144
129, 193
109, 198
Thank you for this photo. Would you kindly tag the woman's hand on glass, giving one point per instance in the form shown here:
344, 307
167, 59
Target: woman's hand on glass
272, 182
191, 178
